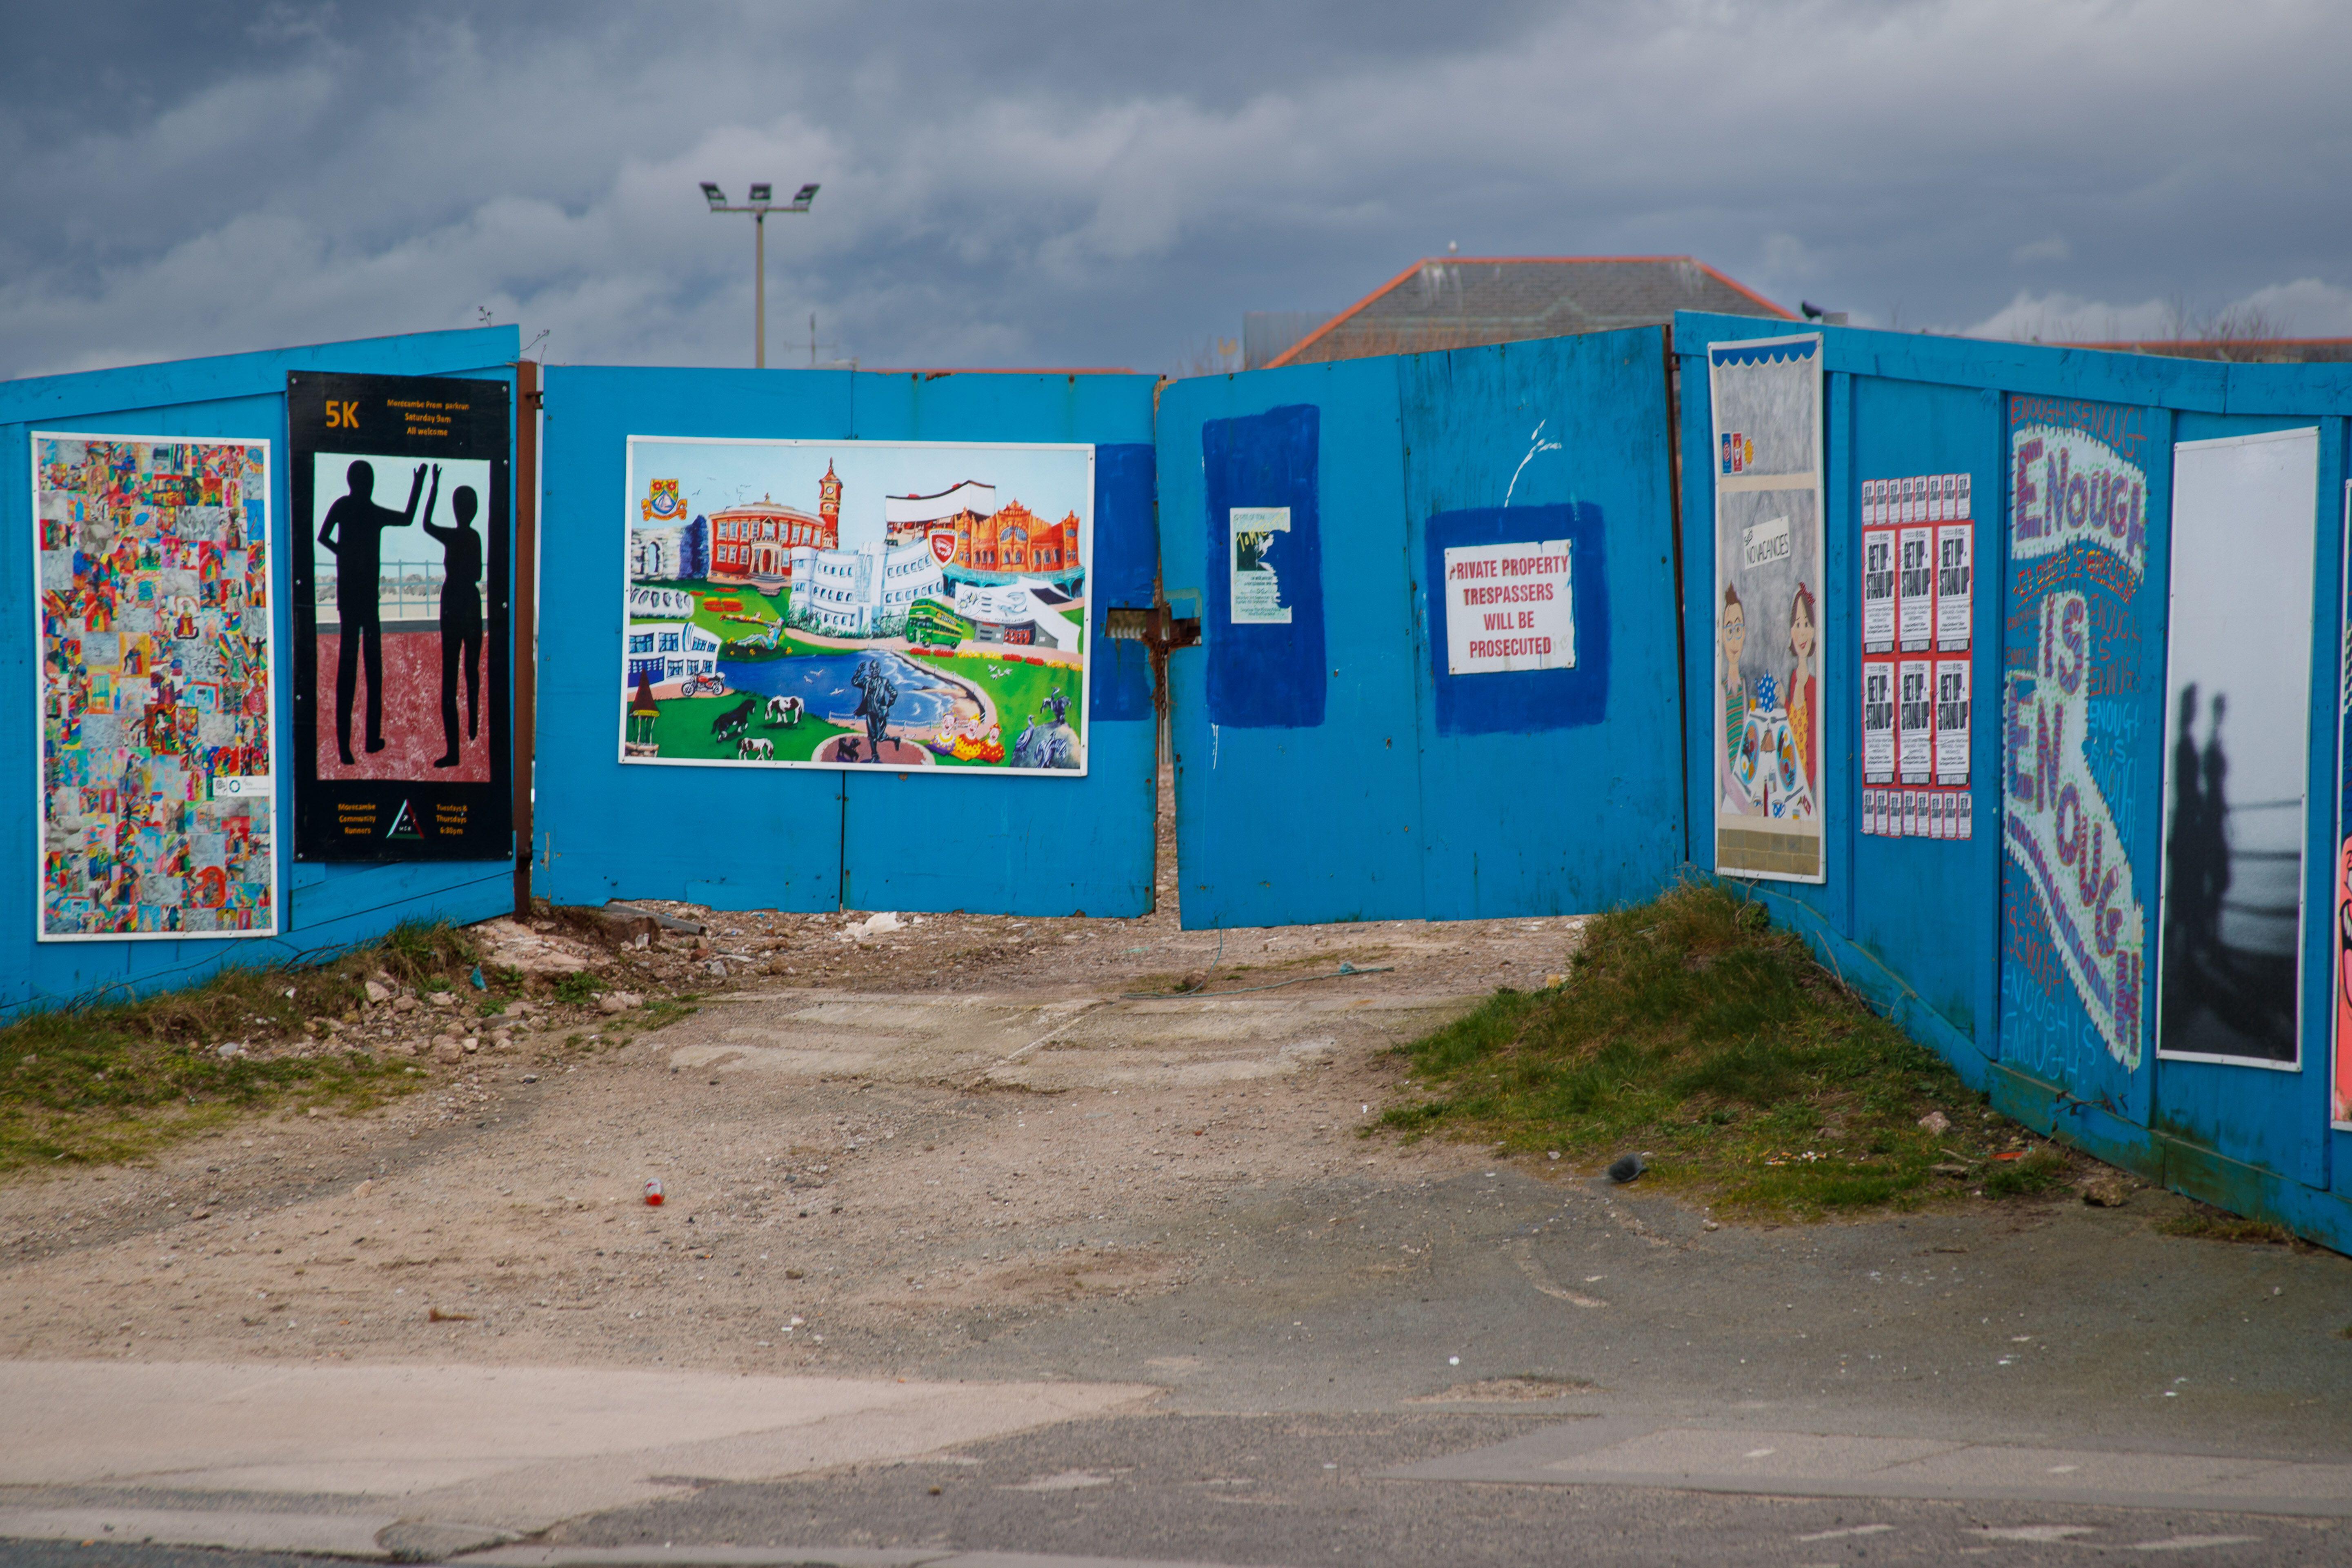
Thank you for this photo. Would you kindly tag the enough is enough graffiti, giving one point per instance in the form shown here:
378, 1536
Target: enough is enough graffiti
2061, 831
2069, 488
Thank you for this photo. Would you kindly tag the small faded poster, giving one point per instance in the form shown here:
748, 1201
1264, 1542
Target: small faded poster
1256, 535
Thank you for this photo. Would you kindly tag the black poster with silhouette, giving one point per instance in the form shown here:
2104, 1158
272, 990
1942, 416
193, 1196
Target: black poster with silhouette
399, 536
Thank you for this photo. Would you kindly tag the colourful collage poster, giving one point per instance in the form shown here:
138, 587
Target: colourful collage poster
1770, 773
156, 777
900, 605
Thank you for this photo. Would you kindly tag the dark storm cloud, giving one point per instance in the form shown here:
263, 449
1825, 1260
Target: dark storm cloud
1064, 184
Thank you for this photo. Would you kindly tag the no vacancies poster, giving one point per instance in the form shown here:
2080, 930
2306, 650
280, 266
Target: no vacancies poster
1770, 773
400, 583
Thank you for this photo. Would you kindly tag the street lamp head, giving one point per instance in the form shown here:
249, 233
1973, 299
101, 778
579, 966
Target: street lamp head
761, 191
804, 196
714, 196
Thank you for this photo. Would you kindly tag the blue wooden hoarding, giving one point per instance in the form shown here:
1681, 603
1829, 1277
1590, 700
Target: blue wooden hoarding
322, 907
744, 837
1338, 756
2028, 952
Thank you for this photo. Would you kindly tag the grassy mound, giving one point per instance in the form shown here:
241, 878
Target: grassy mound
1689, 1030
113, 1080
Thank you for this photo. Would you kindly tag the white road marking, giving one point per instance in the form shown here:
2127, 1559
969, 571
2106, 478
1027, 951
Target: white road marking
2043, 1532
2190, 1543
1851, 1530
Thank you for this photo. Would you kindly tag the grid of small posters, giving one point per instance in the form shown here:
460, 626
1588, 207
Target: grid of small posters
1918, 584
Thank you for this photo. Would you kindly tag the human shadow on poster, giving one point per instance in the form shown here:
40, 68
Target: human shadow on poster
400, 581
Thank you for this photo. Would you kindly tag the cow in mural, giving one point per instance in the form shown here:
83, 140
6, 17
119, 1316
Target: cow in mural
735, 720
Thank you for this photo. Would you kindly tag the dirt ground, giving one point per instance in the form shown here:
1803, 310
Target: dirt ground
867, 1142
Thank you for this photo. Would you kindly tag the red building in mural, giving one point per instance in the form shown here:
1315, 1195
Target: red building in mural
754, 541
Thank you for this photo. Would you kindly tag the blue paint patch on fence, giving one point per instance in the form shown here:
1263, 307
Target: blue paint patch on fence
1127, 559
1524, 701
1264, 676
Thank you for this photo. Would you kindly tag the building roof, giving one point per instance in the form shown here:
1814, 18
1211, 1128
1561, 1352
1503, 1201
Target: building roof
762, 508
1454, 301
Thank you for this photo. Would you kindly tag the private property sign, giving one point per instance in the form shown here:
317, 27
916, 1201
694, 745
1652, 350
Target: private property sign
1508, 607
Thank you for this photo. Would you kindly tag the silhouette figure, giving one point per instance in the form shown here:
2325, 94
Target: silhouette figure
359, 564
2214, 830
461, 612
2184, 918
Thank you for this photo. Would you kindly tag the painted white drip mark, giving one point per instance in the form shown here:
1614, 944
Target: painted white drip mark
1536, 443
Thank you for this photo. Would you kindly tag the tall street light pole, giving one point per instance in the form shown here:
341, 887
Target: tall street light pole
759, 206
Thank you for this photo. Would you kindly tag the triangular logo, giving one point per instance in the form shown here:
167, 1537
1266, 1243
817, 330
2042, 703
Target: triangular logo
404, 826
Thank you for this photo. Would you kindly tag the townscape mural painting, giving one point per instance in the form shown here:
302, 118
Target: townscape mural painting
2073, 930
400, 584
1770, 774
2238, 650
155, 773
858, 603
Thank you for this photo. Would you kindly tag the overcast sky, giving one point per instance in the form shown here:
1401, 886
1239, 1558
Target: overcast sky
1028, 183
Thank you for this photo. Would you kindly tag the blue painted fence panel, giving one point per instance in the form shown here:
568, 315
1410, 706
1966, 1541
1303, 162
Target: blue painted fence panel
1548, 792
1368, 783
802, 838
321, 907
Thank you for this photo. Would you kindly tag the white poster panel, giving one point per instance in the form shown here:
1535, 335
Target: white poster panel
1915, 587
1878, 590
2238, 684
1952, 721
1956, 573
1508, 607
1915, 720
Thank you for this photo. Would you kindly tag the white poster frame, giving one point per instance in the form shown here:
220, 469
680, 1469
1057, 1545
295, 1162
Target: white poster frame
279, 817
2310, 434
1086, 554
1812, 482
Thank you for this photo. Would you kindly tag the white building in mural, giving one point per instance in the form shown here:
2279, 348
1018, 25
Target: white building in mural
851, 593
673, 604
660, 651
676, 552
1022, 611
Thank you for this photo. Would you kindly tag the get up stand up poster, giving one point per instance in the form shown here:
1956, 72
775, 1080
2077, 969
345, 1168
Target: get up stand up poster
400, 584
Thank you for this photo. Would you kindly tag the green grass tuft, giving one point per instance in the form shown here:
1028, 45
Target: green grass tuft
113, 1080
1690, 1030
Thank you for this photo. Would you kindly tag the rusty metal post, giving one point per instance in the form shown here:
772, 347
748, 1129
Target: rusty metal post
525, 625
